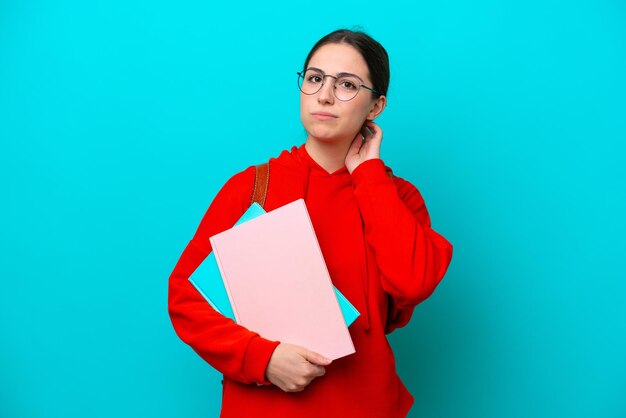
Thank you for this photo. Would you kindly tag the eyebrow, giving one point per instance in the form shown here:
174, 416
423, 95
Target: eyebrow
342, 74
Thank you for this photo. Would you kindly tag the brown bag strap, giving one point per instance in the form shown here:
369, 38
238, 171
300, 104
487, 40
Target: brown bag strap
262, 179
261, 183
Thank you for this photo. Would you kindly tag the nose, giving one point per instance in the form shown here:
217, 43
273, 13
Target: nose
326, 93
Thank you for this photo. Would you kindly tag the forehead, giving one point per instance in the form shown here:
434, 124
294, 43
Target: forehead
340, 58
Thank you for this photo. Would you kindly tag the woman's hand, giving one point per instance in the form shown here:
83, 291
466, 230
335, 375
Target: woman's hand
367, 149
292, 367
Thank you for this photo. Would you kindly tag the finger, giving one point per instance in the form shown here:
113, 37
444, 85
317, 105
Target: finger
316, 358
373, 126
367, 133
318, 371
377, 132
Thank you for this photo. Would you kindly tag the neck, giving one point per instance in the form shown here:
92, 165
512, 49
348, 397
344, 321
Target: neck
330, 155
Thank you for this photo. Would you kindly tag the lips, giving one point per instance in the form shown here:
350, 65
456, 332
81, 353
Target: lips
323, 115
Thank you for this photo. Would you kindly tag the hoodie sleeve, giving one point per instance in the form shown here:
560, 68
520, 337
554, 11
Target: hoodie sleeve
232, 349
410, 255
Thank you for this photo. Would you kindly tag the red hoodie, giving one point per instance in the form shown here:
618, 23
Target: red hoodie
381, 253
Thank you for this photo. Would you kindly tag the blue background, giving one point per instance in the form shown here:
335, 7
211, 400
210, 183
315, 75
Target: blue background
120, 121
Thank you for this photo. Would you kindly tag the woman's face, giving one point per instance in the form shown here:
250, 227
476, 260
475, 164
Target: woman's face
327, 118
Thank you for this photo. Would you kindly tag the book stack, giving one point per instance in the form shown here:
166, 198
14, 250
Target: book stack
268, 273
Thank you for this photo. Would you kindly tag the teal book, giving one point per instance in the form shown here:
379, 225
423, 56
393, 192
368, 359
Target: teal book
208, 281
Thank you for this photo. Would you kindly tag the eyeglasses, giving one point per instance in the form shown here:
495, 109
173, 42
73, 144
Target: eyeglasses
346, 86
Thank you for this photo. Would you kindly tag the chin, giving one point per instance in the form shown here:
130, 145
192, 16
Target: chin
323, 133
323, 136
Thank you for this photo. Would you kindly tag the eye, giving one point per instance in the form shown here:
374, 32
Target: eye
314, 78
347, 84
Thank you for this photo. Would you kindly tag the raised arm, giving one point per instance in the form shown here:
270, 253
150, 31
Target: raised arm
411, 256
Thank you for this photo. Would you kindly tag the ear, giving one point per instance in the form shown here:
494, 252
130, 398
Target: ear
377, 108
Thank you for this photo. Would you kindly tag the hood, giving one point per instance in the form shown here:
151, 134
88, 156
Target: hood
299, 160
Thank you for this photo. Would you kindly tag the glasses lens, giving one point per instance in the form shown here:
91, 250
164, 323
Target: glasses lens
310, 82
346, 88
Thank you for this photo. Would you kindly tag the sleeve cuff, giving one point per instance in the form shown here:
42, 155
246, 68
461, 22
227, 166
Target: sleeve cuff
370, 171
257, 357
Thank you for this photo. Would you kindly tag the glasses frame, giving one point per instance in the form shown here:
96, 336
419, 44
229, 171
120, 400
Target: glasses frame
324, 75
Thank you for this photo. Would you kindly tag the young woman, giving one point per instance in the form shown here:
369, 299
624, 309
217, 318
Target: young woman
375, 235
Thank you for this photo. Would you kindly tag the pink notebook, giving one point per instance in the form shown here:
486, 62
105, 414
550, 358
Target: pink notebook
278, 283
